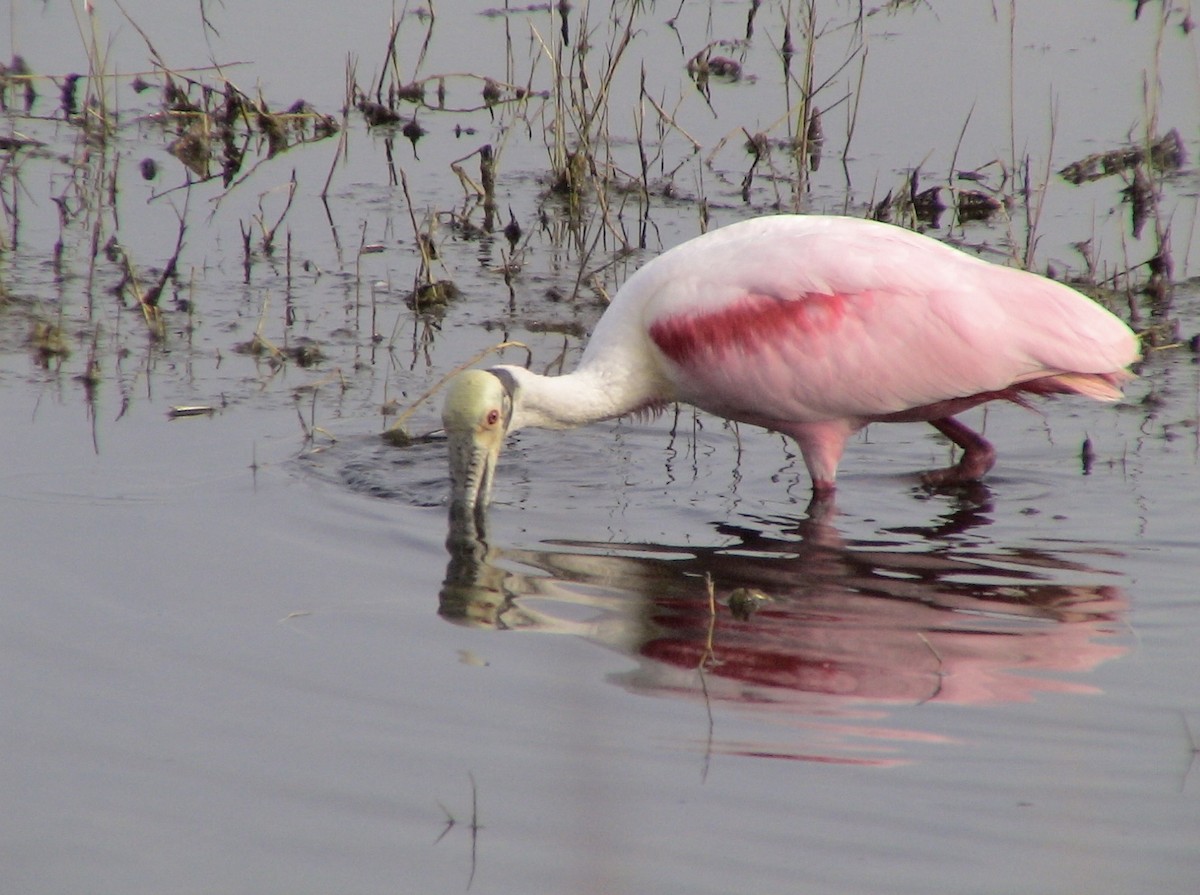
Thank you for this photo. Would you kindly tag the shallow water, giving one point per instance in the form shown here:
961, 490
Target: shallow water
238, 656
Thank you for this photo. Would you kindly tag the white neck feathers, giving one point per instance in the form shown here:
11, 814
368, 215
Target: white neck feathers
592, 393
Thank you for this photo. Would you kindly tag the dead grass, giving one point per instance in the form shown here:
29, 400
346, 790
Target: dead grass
569, 156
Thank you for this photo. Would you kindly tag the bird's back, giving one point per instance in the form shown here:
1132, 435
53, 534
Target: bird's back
807, 318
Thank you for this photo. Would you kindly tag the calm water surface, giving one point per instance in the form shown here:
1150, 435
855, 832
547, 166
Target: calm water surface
238, 657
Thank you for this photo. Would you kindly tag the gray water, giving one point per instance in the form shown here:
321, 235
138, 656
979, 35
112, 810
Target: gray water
238, 657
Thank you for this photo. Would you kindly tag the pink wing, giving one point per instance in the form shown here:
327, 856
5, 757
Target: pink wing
795, 319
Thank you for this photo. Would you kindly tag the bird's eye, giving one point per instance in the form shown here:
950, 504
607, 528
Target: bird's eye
493, 417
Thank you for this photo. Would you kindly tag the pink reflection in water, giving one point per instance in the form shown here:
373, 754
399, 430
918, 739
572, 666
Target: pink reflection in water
848, 633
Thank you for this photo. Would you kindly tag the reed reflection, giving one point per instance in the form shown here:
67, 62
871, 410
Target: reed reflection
809, 623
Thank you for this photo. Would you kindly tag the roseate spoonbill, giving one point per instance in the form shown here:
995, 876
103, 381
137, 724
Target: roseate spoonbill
813, 327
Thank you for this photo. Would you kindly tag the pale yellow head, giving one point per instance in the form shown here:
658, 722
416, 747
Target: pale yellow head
476, 417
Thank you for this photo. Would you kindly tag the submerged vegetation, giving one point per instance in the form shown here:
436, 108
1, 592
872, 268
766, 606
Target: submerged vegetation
171, 215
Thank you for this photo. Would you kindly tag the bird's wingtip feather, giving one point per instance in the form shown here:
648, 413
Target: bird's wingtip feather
1098, 386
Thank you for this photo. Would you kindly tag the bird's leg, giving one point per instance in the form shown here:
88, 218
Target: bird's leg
823, 491
822, 445
978, 455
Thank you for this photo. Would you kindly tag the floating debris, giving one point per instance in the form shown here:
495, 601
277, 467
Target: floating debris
495, 12
175, 99
396, 436
377, 114
182, 410
724, 67
410, 93
433, 296
758, 145
305, 352
1166, 154
975, 205
703, 66
572, 328
257, 346
413, 132
928, 205
271, 126
745, 601
512, 231
193, 149
491, 93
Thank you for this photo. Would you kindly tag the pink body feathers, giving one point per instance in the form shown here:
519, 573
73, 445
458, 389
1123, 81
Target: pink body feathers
817, 326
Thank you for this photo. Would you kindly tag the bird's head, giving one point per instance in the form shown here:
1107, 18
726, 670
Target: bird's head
476, 416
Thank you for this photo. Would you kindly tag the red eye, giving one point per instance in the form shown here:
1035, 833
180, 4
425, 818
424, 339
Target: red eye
493, 417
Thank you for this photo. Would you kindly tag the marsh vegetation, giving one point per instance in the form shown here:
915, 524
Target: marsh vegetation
239, 242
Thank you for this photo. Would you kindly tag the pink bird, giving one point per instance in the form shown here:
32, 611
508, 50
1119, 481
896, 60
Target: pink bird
813, 327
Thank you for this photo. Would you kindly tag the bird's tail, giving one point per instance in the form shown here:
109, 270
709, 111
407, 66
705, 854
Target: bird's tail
1100, 386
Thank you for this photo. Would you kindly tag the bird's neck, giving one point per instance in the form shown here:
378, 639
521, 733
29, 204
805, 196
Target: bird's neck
590, 394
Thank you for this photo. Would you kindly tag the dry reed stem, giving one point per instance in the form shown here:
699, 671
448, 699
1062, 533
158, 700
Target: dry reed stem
343, 143
268, 239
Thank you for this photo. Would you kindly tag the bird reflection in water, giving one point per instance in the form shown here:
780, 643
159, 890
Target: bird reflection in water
849, 630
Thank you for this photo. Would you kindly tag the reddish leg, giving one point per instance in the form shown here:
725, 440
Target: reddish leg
822, 445
978, 455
